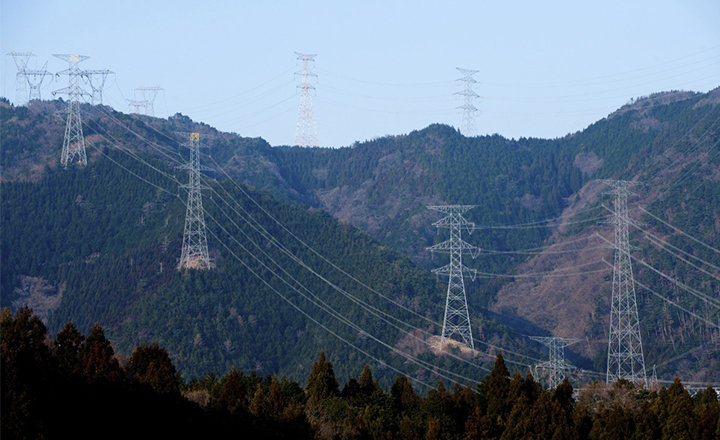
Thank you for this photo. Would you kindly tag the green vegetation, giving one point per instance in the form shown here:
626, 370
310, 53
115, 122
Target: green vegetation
48, 383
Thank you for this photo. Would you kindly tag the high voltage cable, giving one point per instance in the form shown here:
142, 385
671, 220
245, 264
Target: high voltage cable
339, 268
242, 93
329, 309
678, 230
313, 319
339, 316
674, 304
548, 274
358, 301
702, 296
611, 75
662, 246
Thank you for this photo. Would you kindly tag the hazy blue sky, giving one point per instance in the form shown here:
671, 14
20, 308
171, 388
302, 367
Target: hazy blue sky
546, 68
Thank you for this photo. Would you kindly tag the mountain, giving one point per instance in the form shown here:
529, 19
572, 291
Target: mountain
105, 239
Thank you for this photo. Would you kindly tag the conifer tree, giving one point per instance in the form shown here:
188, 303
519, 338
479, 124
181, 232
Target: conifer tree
322, 383
97, 358
68, 344
151, 365
707, 413
680, 423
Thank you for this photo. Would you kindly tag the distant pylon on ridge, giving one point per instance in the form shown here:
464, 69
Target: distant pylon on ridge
194, 248
21, 60
74, 142
306, 130
468, 108
457, 316
555, 366
97, 79
35, 78
149, 94
625, 352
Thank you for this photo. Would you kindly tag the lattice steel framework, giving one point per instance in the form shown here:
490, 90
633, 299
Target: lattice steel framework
21, 60
97, 79
457, 317
35, 78
74, 142
468, 108
194, 249
149, 94
625, 352
306, 130
556, 365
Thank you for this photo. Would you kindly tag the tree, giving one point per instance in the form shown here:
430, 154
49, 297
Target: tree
151, 365
322, 383
707, 413
680, 424
97, 358
24, 371
68, 344
497, 387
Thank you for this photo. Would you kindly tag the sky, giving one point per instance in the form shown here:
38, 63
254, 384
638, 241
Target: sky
545, 68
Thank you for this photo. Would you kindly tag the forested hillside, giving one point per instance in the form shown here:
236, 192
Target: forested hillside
320, 249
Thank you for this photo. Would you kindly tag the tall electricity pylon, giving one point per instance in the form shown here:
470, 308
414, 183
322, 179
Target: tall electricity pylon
35, 78
74, 142
468, 109
194, 249
625, 353
555, 366
97, 79
21, 60
457, 317
149, 94
306, 130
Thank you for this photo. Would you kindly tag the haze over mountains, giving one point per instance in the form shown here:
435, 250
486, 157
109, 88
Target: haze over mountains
101, 243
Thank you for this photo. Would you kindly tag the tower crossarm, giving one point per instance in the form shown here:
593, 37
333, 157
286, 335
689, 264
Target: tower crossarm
451, 270
460, 246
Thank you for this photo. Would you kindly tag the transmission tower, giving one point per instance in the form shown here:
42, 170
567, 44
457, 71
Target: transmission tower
97, 79
35, 79
457, 317
136, 105
149, 94
74, 142
625, 353
468, 108
306, 131
21, 60
555, 366
194, 249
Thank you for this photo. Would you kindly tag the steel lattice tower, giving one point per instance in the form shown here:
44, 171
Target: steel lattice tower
625, 353
468, 109
35, 79
97, 79
21, 60
149, 94
194, 249
74, 142
306, 130
556, 364
457, 317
